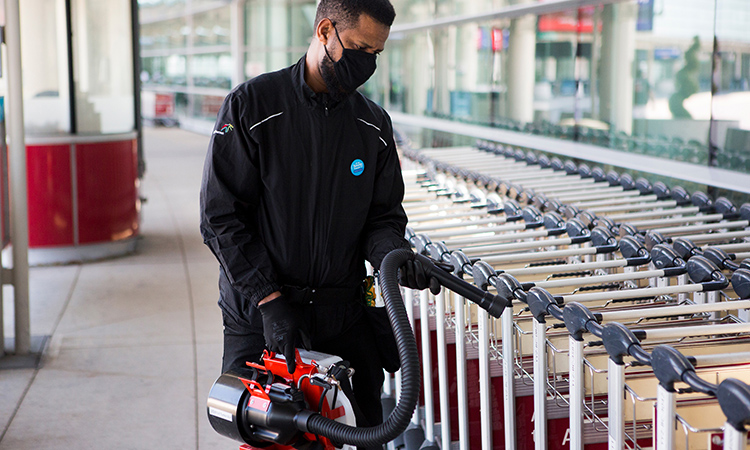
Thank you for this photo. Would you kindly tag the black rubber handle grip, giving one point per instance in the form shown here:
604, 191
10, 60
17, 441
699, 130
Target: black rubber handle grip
493, 304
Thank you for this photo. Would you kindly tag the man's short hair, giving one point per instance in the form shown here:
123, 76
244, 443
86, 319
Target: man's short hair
346, 12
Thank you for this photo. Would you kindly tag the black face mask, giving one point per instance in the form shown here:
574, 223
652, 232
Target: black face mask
354, 67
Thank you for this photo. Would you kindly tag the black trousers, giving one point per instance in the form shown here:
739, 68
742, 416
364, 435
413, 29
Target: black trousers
337, 327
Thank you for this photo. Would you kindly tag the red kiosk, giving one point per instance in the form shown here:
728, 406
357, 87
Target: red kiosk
82, 130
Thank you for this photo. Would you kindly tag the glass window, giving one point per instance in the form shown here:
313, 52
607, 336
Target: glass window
150, 10
165, 34
211, 28
277, 34
206, 106
672, 81
46, 81
206, 4
409, 11
302, 19
103, 66
259, 62
730, 127
395, 85
211, 70
164, 70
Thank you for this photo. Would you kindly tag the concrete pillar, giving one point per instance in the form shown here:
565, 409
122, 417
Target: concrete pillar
419, 76
520, 68
383, 77
444, 66
236, 30
595, 54
461, 65
278, 34
616, 71
19, 229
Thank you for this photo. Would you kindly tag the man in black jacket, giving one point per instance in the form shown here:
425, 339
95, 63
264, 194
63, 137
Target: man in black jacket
301, 185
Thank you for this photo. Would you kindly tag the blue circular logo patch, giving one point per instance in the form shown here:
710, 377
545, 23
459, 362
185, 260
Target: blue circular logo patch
357, 167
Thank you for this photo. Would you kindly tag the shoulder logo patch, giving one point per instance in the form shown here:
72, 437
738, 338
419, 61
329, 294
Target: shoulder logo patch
226, 128
357, 167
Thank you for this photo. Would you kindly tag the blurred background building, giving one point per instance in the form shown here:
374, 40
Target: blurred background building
666, 78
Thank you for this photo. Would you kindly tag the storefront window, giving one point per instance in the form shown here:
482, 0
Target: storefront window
102, 64
46, 81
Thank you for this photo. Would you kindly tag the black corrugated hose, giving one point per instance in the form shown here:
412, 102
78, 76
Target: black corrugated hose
399, 419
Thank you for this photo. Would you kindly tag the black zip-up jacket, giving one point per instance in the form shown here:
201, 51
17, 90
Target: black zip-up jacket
297, 191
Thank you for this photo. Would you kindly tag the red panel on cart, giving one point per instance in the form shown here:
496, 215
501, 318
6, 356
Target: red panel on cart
107, 191
50, 195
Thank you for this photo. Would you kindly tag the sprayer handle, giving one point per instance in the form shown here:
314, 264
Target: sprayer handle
493, 304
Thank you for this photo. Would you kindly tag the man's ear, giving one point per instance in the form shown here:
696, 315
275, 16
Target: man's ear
323, 31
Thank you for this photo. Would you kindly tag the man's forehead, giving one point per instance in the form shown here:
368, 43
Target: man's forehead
369, 31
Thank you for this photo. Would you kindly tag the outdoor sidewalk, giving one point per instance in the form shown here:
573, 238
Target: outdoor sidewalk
135, 342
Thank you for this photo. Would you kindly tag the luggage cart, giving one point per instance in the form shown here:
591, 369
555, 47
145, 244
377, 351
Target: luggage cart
701, 217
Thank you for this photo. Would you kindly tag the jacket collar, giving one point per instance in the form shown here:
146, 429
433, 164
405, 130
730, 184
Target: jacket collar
306, 94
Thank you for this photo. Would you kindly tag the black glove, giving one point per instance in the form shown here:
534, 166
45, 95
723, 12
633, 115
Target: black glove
412, 275
282, 329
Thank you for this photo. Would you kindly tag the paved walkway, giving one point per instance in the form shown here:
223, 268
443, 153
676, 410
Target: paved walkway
135, 341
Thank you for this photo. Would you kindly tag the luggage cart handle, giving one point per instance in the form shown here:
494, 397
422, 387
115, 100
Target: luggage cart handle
506, 285
533, 217
542, 303
671, 366
721, 258
734, 399
439, 252
607, 223
633, 251
620, 341
493, 304
741, 282
579, 319
461, 263
725, 207
578, 231
666, 258
702, 270
685, 248
494, 204
484, 276
653, 238
603, 240
554, 224
745, 211
513, 211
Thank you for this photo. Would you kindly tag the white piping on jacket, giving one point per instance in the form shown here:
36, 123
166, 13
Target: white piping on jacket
267, 118
368, 123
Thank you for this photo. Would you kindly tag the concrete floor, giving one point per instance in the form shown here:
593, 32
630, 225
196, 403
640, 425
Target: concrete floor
135, 342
